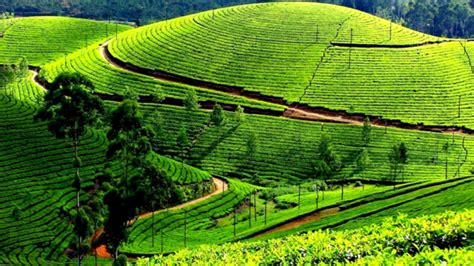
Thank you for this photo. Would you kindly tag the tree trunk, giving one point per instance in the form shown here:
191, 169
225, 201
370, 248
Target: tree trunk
342, 189
153, 225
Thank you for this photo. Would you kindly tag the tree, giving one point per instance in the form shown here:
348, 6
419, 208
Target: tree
183, 142
191, 100
398, 158
251, 145
7, 76
217, 115
129, 143
70, 109
22, 68
362, 161
154, 190
130, 94
403, 151
158, 96
327, 155
129, 140
366, 130
155, 120
239, 115
446, 151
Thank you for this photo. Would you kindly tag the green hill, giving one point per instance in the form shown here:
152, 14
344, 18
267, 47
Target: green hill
271, 59
42, 39
36, 176
299, 51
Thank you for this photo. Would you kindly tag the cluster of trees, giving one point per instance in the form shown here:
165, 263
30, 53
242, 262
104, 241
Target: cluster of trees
13, 72
329, 164
70, 109
130, 183
451, 18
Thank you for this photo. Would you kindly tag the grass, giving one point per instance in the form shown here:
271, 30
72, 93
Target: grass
36, 176
112, 80
397, 238
43, 39
458, 198
287, 148
379, 204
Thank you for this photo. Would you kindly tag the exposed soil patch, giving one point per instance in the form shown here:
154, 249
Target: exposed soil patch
314, 216
388, 46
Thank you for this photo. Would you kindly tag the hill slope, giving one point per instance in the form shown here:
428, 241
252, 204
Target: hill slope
302, 53
42, 39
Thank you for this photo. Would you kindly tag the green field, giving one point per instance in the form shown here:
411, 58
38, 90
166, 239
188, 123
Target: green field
294, 59
36, 177
387, 239
43, 39
264, 158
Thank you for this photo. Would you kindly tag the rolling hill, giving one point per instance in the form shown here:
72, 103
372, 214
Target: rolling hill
302, 72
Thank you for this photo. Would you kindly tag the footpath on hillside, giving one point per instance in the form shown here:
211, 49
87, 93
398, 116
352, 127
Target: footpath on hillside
292, 111
220, 186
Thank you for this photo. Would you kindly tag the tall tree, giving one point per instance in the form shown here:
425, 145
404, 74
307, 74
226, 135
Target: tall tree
398, 158
362, 161
251, 145
127, 136
239, 115
183, 142
70, 109
366, 130
130, 144
446, 151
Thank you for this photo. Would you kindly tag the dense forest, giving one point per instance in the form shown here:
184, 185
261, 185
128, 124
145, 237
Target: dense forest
451, 18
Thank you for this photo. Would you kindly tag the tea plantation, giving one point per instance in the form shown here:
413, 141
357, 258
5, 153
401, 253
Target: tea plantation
277, 133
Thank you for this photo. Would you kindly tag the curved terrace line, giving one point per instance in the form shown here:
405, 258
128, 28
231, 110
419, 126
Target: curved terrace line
293, 110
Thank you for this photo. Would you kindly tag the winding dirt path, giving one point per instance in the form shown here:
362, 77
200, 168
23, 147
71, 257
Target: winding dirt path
293, 111
220, 186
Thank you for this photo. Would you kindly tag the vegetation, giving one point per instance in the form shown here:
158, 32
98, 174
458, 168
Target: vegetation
408, 82
394, 238
70, 110
447, 18
254, 124
42, 39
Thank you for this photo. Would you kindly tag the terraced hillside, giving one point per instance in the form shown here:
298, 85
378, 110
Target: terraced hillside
292, 66
287, 148
42, 39
302, 52
36, 176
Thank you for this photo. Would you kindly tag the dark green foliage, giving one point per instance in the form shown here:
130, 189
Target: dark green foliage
366, 129
239, 115
191, 100
398, 158
69, 107
121, 260
129, 139
327, 162
11, 73
251, 145
217, 115
182, 142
